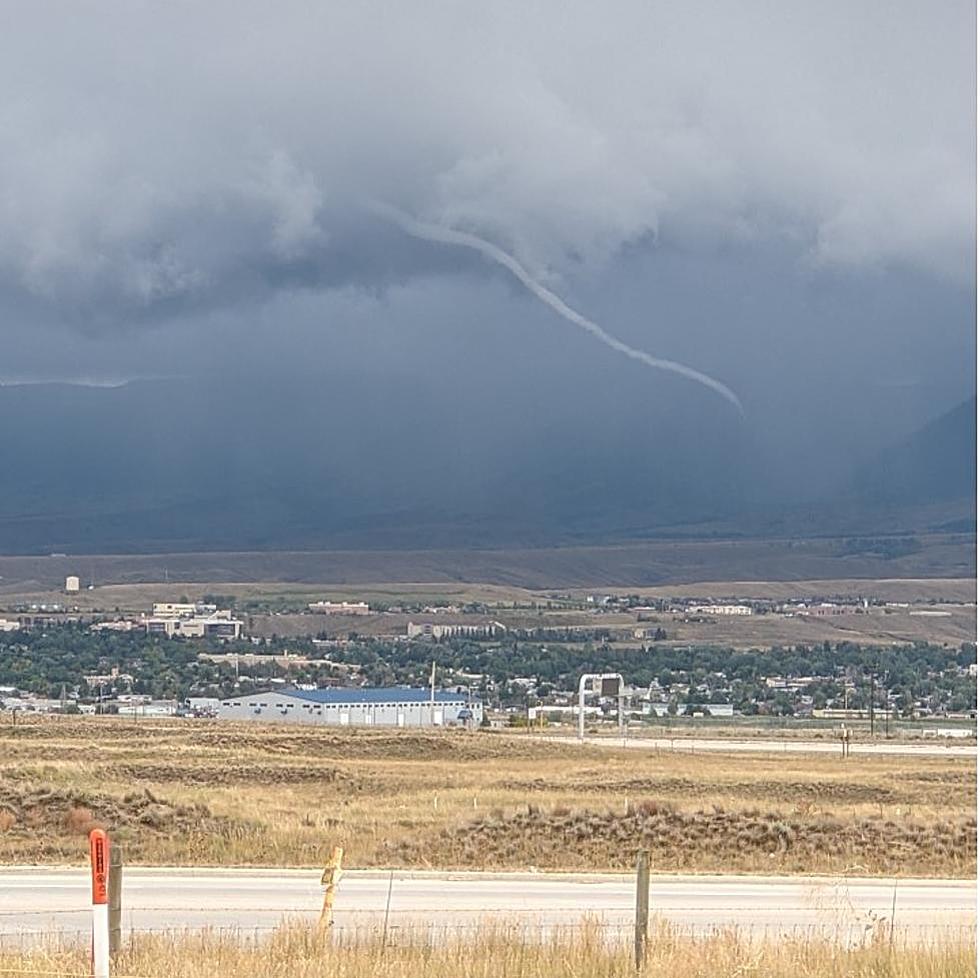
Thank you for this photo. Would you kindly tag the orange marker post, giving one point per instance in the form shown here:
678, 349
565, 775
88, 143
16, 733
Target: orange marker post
98, 845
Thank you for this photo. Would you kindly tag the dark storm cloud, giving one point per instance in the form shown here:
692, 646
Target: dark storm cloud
157, 158
778, 194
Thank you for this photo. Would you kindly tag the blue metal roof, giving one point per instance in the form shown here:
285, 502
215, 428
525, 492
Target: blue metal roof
394, 694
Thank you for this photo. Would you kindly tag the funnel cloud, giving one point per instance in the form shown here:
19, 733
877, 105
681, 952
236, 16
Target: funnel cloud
463, 239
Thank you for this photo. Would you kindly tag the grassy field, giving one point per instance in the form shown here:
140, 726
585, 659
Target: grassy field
186, 792
140, 596
300, 953
629, 565
958, 623
678, 730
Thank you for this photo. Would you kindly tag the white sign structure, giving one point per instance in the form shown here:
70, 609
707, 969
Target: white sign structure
605, 683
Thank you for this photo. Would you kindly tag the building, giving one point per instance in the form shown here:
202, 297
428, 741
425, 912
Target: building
168, 609
719, 609
713, 709
840, 714
825, 609
144, 707
6, 625
340, 608
657, 634
394, 707
218, 624
72, 584
203, 705
109, 678
120, 625
34, 704
454, 629
662, 709
47, 620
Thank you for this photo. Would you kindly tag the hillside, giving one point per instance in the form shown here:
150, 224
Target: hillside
937, 463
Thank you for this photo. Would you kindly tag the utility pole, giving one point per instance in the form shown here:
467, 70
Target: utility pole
432, 695
881, 669
872, 704
888, 707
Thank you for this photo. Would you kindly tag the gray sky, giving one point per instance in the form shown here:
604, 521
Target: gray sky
779, 194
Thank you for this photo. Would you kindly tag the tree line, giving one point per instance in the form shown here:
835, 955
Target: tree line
45, 661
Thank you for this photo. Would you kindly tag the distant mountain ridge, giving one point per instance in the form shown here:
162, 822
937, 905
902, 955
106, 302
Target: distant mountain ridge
937, 463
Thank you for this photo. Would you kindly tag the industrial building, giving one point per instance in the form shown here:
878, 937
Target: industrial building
392, 707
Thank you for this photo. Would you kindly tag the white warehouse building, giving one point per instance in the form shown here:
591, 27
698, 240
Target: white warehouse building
381, 707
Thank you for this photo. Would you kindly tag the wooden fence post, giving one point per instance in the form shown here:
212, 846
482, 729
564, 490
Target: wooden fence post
115, 899
642, 908
330, 878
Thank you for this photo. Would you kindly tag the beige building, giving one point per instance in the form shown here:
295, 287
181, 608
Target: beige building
219, 624
452, 630
166, 609
72, 584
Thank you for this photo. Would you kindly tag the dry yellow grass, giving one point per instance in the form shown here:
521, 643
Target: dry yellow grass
250, 795
297, 952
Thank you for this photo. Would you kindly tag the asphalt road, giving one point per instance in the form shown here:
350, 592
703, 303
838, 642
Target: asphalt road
786, 746
40, 903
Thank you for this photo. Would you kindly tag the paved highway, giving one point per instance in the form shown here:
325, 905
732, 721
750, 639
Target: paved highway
788, 746
36, 903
